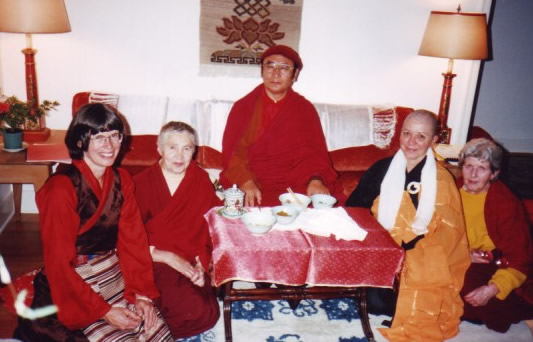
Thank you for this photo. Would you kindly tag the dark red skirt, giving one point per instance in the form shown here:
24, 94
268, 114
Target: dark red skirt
497, 314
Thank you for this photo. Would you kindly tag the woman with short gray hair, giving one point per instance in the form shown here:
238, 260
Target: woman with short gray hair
501, 250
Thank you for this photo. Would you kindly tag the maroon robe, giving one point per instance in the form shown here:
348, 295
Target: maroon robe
79, 217
176, 223
509, 230
278, 145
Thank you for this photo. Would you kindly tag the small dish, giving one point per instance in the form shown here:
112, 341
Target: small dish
321, 201
258, 222
221, 212
285, 214
24, 146
288, 198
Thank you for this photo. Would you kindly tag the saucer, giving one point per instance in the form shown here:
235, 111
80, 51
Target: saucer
222, 213
24, 146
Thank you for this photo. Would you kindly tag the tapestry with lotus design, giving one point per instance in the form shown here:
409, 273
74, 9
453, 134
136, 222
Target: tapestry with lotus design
234, 33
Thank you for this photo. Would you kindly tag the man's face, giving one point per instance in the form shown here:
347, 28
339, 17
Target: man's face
278, 75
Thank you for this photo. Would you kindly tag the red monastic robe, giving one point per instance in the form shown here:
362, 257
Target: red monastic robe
278, 145
176, 223
78, 304
509, 230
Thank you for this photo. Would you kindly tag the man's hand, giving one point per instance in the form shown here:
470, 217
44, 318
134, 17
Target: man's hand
316, 186
482, 295
251, 193
146, 310
122, 318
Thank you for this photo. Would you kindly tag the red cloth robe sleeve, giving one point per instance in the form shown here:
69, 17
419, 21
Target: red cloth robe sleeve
134, 254
175, 222
78, 304
508, 227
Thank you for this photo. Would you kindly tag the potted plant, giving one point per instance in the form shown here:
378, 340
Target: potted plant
14, 114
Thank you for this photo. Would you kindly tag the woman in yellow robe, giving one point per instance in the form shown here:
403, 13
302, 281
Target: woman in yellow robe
417, 201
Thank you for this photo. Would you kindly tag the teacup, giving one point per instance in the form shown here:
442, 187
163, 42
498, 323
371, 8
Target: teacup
233, 201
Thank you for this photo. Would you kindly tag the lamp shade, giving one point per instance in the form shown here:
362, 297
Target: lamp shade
34, 16
455, 35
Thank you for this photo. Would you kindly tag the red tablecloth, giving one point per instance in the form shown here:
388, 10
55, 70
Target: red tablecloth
297, 258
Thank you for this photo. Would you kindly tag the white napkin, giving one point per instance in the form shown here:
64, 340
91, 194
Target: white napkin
324, 222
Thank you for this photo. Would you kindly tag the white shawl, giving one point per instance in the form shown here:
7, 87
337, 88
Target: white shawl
392, 189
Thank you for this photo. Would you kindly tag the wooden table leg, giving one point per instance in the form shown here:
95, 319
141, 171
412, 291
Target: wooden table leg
363, 314
17, 197
226, 308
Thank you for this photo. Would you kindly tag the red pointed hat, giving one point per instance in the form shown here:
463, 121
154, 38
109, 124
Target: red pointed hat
286, 51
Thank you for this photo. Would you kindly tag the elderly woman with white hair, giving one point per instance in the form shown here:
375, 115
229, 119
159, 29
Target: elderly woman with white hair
416, 200
498, 289
173, 195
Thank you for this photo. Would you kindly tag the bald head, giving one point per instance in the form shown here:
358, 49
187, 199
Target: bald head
424, 115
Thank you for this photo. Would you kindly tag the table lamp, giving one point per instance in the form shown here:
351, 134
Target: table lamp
33, 16
453, 35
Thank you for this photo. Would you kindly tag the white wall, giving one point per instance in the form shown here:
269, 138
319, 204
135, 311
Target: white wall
354, 51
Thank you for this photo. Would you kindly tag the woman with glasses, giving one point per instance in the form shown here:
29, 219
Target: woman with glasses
97, 264
498, 289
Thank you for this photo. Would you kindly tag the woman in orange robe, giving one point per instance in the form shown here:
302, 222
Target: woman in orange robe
418, 203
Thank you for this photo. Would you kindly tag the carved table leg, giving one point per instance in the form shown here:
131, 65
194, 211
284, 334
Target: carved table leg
226, 307
363, 313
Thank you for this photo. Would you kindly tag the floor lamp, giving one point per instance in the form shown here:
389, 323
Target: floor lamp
453, 35
33, 16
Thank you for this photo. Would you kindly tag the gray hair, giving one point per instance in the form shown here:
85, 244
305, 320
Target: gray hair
176, 127
426, 115
485, 150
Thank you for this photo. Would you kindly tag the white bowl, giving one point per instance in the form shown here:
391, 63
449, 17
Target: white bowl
288, 198
323, 201
285, 214
258, 222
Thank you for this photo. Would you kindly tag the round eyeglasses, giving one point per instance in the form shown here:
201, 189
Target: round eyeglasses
284, 69
100, 139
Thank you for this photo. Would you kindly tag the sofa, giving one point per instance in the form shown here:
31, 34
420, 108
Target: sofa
350, 162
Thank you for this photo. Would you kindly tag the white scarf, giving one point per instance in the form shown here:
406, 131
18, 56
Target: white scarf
392, 189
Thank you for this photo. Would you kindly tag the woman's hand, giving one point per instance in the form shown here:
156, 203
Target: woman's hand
251, 193
193, 273
146, 310
482, 295
476, 256
122, 318
198, 279
316, 186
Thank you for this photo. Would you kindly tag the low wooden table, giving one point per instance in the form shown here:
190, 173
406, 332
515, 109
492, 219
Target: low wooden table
300, 264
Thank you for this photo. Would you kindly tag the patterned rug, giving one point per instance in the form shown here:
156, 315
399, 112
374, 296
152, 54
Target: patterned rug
333, 320
234, 33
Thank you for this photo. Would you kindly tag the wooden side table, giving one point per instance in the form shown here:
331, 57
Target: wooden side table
15, 170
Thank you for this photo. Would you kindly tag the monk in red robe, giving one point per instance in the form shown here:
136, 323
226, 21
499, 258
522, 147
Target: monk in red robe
274, 140
173, 195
